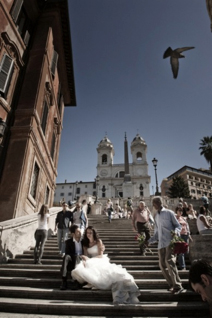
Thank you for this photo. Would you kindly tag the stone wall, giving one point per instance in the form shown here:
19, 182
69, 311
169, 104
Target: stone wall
201, 247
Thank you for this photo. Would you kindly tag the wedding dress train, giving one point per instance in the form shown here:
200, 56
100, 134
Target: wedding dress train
100, 273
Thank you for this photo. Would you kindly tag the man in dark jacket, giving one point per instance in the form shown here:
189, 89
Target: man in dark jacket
73, 251
63, 220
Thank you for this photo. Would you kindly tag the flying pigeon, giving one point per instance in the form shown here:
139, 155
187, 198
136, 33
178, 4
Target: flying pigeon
174, 56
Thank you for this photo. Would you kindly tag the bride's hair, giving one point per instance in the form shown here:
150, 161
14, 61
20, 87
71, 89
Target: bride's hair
95, 236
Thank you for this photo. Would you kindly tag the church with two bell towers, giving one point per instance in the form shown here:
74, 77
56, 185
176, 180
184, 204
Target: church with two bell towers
120, 180
123, 180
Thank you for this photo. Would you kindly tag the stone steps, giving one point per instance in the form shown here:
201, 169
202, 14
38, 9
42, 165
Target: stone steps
97, 295
39, 282
35, 289
65, 307
52, 273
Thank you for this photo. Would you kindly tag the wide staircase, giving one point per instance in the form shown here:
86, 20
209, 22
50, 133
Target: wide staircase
29, 290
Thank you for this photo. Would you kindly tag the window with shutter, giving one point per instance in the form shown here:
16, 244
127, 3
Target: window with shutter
16, 9
54, 63
47, 195
44, 116
53, 145
6, 68
26, 37
34, 183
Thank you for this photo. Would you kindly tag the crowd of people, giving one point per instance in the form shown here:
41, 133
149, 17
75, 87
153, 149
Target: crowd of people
83, 251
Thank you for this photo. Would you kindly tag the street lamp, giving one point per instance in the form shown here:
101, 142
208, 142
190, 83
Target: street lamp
97, 186
155, 161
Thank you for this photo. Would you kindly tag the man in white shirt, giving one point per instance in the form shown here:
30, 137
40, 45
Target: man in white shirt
165, 222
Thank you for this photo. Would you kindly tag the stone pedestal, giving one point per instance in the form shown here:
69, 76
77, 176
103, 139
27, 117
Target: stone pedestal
127, 189
96, 208
193, 226
201, 247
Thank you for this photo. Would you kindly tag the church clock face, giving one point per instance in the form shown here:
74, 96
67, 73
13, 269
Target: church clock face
103, 173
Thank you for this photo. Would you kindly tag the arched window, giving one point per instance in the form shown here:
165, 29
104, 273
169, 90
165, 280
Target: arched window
104, 159
103, 191
120, 174
141, 188
139, 156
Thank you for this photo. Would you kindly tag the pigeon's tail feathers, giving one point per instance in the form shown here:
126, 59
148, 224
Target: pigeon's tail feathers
167, 53
182, 49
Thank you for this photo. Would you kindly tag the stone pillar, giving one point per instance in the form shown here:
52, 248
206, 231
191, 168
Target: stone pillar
96, 208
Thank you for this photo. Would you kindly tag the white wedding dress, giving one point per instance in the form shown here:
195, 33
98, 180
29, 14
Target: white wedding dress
100, 273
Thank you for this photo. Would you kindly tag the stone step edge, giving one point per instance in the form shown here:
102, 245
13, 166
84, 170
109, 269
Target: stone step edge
106, 304
137, 280
142, 272
14, 315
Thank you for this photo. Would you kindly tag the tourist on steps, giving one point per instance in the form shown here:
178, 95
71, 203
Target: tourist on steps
165, 222
140, 222
203, 224
41, 233
80, 218
96, 269
63, 220
109, 208
184, 234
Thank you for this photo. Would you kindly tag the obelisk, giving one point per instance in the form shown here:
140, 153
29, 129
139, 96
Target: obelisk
127, 184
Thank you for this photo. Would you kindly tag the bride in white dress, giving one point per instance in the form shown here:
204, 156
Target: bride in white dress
96, 269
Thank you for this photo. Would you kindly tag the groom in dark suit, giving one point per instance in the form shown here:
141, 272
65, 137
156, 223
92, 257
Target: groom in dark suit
73, 251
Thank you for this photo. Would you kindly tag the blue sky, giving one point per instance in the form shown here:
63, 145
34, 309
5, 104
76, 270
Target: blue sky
124, 84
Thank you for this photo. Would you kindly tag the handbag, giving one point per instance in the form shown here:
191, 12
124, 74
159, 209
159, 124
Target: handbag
180, 248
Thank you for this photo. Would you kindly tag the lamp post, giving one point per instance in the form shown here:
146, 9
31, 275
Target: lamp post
97, 187
155, 161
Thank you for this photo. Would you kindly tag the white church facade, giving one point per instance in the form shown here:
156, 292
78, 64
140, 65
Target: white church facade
111, 176
128, 179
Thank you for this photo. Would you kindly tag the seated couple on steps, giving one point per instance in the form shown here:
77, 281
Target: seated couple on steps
87, 263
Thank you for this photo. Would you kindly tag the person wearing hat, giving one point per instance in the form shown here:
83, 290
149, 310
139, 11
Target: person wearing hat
63, 220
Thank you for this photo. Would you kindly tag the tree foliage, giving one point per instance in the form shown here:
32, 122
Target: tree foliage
206, 149
179, 188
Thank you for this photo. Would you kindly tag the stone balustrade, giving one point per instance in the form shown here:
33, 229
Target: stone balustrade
200, 247
17, 235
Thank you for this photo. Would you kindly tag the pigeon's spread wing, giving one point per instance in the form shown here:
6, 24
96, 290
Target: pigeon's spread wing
175, 66
167, 53
184, 49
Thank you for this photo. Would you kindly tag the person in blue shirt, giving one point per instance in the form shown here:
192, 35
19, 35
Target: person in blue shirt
165, 222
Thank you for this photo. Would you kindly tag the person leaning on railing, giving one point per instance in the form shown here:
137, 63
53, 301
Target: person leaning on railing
203, 224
